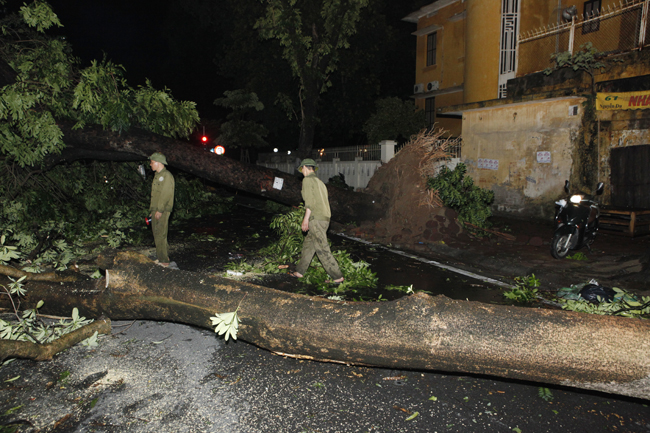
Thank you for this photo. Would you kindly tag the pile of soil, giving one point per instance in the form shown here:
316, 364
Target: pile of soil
412, 218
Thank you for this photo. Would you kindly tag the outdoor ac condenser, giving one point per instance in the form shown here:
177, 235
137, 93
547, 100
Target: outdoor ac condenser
433, 85
418, 88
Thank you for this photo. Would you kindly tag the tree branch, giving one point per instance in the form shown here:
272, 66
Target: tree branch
45, 352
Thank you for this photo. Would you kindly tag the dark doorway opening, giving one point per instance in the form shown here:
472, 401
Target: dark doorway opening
631, 177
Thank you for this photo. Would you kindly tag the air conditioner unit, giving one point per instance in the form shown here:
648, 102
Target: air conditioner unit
418, 88
433, 85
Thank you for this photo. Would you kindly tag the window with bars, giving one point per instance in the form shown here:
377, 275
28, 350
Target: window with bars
430, 111
591, 10
431, 48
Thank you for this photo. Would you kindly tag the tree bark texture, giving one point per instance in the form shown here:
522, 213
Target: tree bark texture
94, 142
604, 353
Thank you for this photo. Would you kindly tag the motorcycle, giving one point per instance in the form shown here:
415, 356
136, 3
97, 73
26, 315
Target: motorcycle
576, 222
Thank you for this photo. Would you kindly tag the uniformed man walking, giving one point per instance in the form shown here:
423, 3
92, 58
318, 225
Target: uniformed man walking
162, 202
316, 222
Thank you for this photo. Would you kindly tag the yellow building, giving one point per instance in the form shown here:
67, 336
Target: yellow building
479, 75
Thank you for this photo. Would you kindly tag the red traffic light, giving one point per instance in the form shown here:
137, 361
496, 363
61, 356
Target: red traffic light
204, 138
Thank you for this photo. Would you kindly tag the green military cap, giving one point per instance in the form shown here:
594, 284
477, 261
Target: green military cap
308, 162
158, 157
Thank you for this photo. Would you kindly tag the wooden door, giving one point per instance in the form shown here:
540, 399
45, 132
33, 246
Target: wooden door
631, 176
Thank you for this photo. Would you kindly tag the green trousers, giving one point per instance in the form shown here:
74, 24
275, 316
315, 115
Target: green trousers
159, 228
316, 243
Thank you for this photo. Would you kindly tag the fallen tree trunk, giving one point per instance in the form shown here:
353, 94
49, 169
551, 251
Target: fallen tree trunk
94, 142
602, 353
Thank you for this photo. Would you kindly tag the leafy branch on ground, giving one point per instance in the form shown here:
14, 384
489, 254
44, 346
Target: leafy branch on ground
624, 304
29, 326
287, 249
545, 394
456, 190
524, 289
580, 256
65, 214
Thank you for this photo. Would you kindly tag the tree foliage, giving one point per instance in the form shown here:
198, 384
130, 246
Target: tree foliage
54, 215
586, 59
394, 119
239, 130
312, 34
50, 86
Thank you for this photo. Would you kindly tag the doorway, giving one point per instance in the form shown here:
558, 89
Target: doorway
630, 168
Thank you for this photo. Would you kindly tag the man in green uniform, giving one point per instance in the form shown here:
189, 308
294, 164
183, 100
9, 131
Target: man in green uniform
162, 202
315, 223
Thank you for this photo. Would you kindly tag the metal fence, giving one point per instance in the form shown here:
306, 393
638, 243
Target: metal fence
622, 28
370, 152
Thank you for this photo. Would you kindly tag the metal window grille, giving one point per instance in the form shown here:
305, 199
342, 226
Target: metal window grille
431, 48
430, 111
619, 29
591, 10
453, 149
508, 46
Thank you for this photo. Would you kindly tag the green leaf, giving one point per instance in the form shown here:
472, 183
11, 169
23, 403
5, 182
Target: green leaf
413, 415
12, 379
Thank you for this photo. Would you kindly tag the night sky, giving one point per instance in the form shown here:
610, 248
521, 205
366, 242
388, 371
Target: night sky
128, 32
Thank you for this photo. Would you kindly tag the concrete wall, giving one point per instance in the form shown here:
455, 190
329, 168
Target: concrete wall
500, 149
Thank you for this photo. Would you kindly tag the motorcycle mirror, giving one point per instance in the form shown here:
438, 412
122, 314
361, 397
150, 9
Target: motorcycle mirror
566, 186
600, 188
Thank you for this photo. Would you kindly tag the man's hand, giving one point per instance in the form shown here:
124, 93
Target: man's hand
158, 215
305, 220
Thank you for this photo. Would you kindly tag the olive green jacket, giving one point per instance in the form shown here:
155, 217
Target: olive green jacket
162, 192
314, 193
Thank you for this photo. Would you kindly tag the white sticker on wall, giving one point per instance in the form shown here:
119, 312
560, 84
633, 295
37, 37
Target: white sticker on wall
278, 182
489, 164
544, 157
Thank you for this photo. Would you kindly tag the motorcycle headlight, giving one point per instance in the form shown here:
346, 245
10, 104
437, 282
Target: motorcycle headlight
576, 198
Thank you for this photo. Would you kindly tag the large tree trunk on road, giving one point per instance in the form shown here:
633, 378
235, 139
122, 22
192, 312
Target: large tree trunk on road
94, 142
604, 353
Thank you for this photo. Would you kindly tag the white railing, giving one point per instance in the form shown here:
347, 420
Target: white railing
357, 168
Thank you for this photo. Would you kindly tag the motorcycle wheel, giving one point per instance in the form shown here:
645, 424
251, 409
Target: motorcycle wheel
560, 246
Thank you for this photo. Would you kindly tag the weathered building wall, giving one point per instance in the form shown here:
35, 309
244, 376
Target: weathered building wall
500, 149
482, 50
